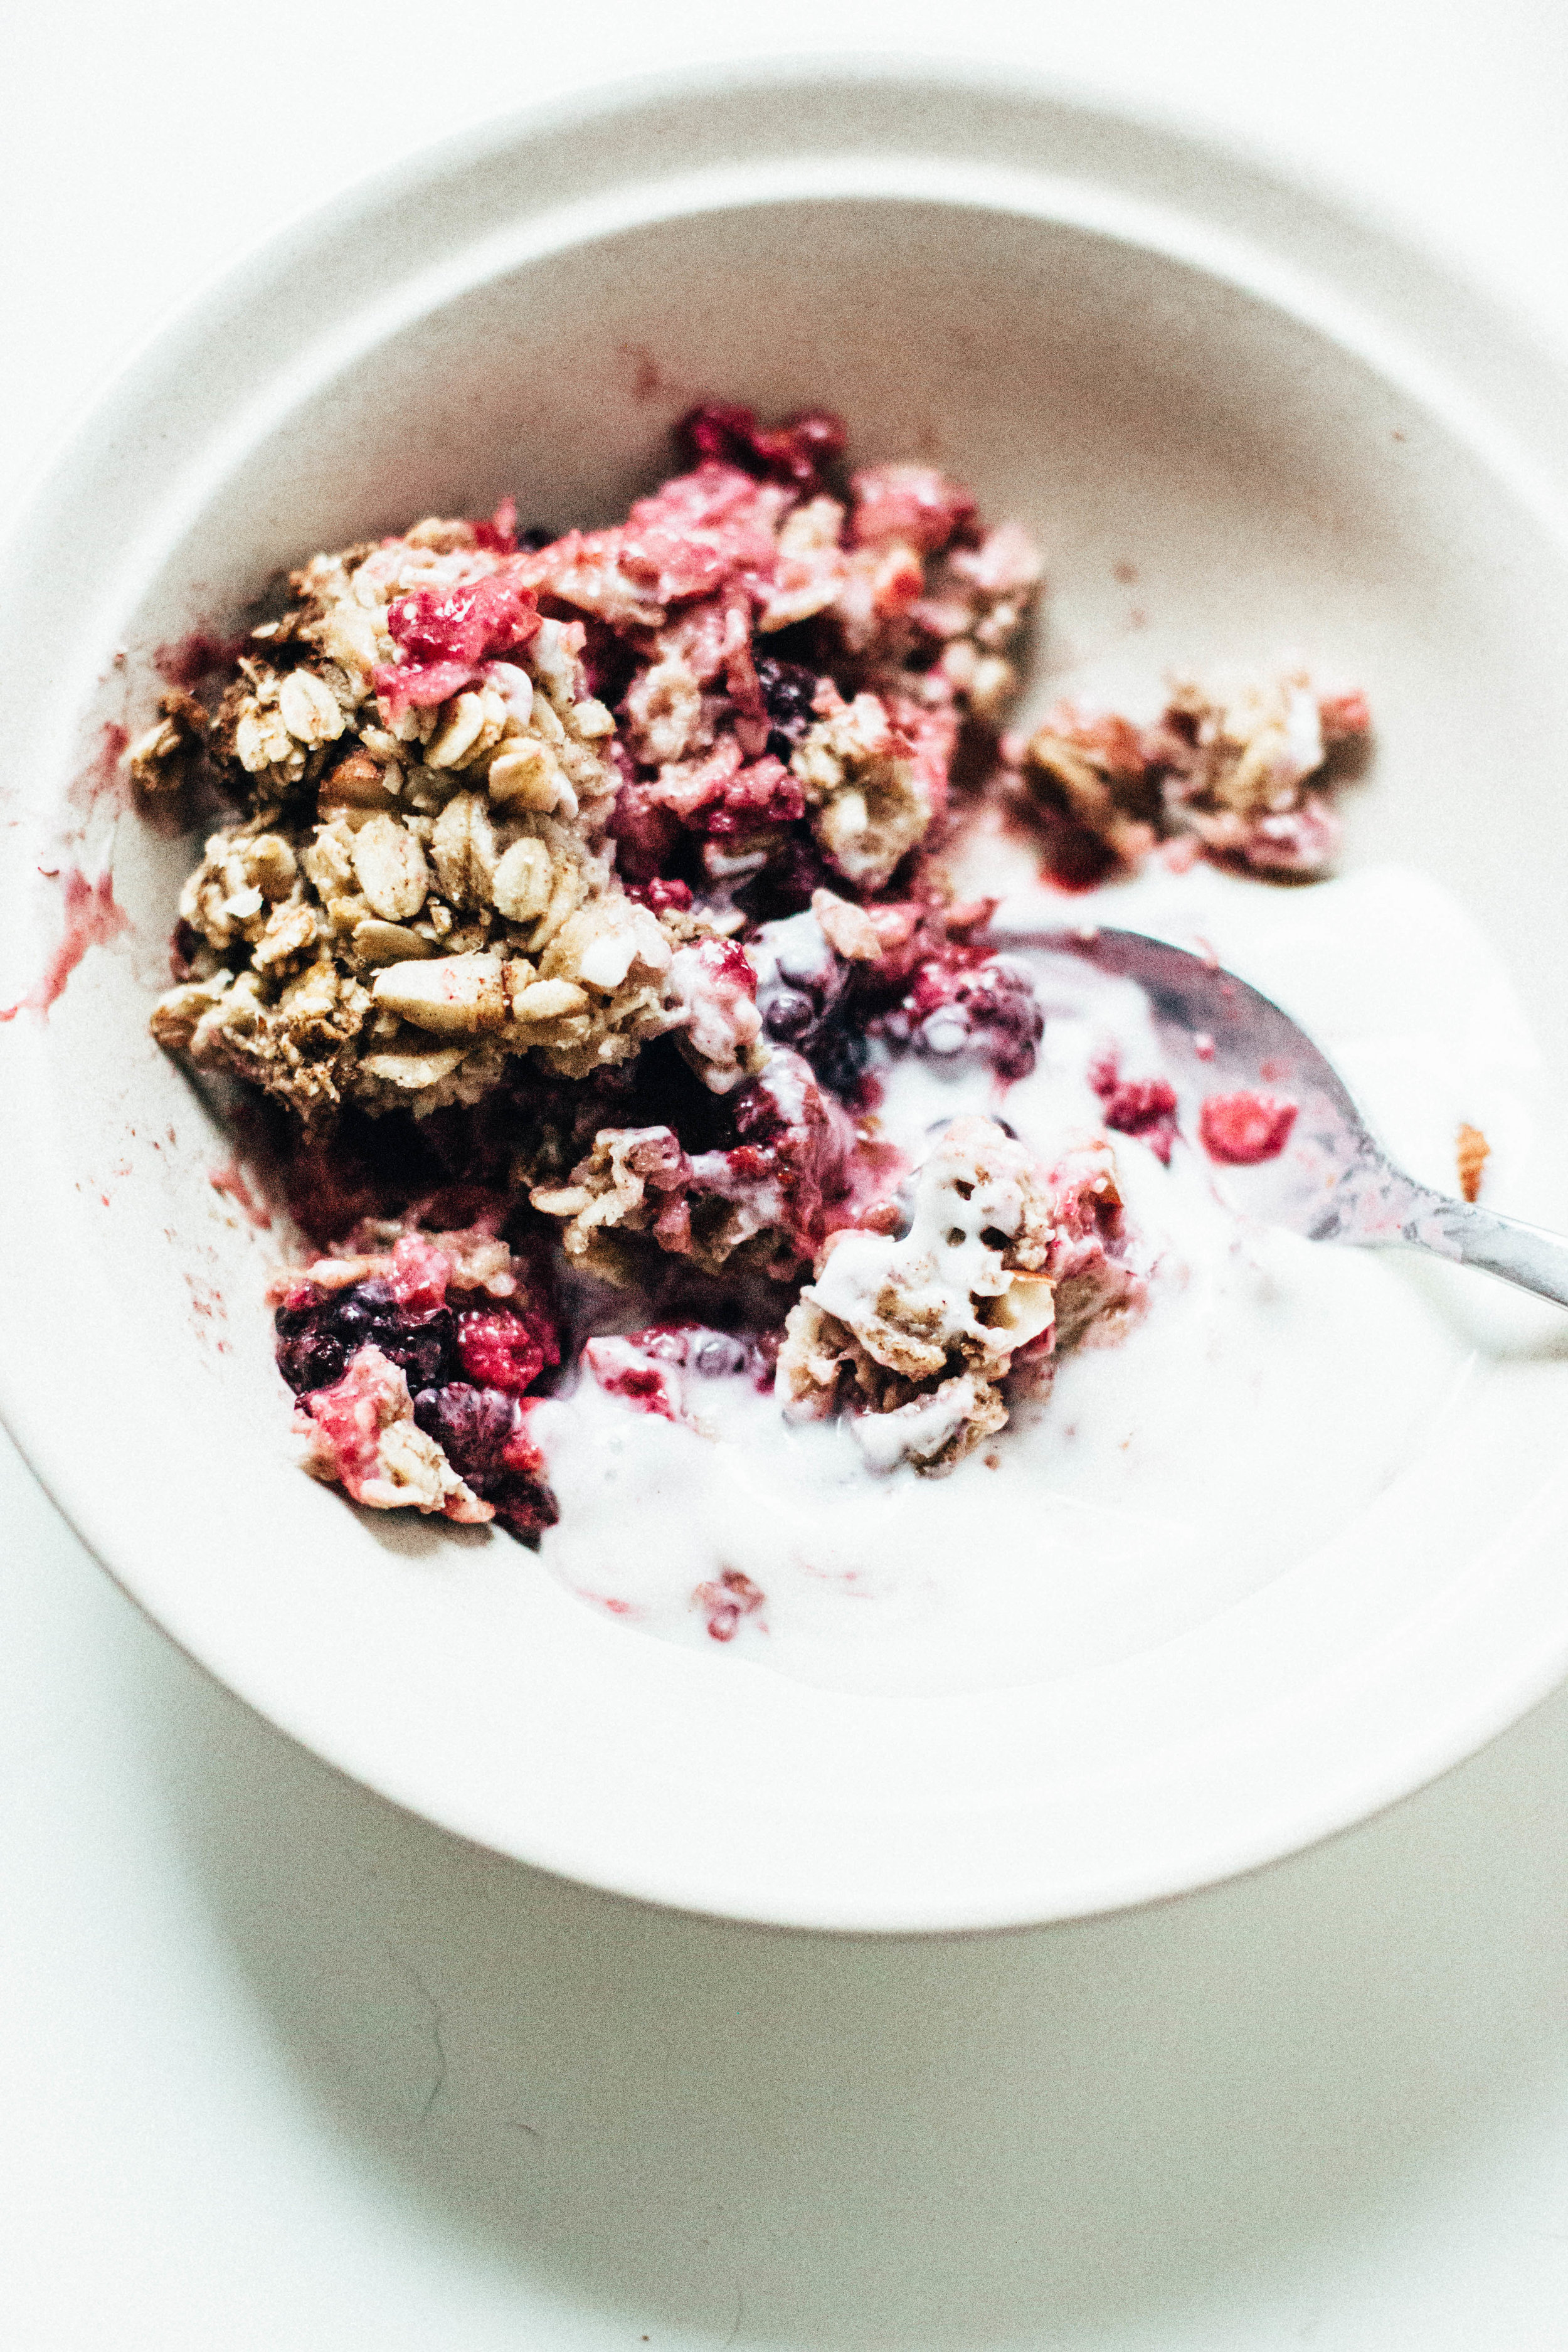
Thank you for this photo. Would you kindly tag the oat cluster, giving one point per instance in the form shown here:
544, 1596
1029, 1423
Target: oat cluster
422, 888
916, 1334
1242, 770
426, 883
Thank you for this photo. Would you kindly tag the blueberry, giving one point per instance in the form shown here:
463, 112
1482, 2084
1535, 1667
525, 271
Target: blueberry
422, 1346
470, 1425
309, 1359
717, 1355
787, 691
788, 1014
315, 1341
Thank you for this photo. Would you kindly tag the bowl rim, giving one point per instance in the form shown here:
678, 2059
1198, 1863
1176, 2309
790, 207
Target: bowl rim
1236, 204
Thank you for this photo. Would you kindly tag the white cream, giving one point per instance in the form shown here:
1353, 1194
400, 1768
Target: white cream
1273, 1390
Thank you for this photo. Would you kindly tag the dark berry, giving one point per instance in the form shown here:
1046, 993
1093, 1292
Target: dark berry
788, 688
524, 1504
789, 1013
316, 1337
361, 1309
798, 451
470, 1425
311, 1358
421, 1345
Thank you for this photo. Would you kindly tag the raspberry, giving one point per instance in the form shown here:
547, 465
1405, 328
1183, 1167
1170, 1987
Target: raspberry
487, 616
728, 965
419, 1274
498, 534
664, 897
500, 1349
764, 794
645, 833
621, 1371
1143, 1106
1244, 1129
913, 506
443, 634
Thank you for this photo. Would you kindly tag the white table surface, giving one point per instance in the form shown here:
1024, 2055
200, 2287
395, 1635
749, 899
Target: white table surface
280, 2068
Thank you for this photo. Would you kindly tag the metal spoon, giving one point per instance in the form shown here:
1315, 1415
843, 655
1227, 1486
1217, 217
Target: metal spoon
1333, 1182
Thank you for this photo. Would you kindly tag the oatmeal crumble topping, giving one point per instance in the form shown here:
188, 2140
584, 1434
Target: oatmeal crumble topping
572, 892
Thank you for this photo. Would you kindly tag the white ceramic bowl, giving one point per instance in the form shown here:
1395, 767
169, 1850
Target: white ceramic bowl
1148, 351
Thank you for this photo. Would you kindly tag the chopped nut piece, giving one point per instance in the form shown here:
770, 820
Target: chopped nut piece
357, 782
625, 1180
452, 996
376, 942
548, 1000
1471, 1152
847, 928
413, 1069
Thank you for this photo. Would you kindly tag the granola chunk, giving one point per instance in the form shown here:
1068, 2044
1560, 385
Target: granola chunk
399, 917
916, 1335
871, 804
793, 1165
1241, 770
160, 758
636, 1178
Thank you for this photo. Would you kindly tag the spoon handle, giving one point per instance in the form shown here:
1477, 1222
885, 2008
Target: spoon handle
1526, 1256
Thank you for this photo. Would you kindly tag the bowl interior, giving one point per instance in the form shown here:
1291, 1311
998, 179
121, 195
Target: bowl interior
1210, 475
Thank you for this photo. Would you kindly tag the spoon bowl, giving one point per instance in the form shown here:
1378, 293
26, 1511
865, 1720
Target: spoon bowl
1331, 1180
